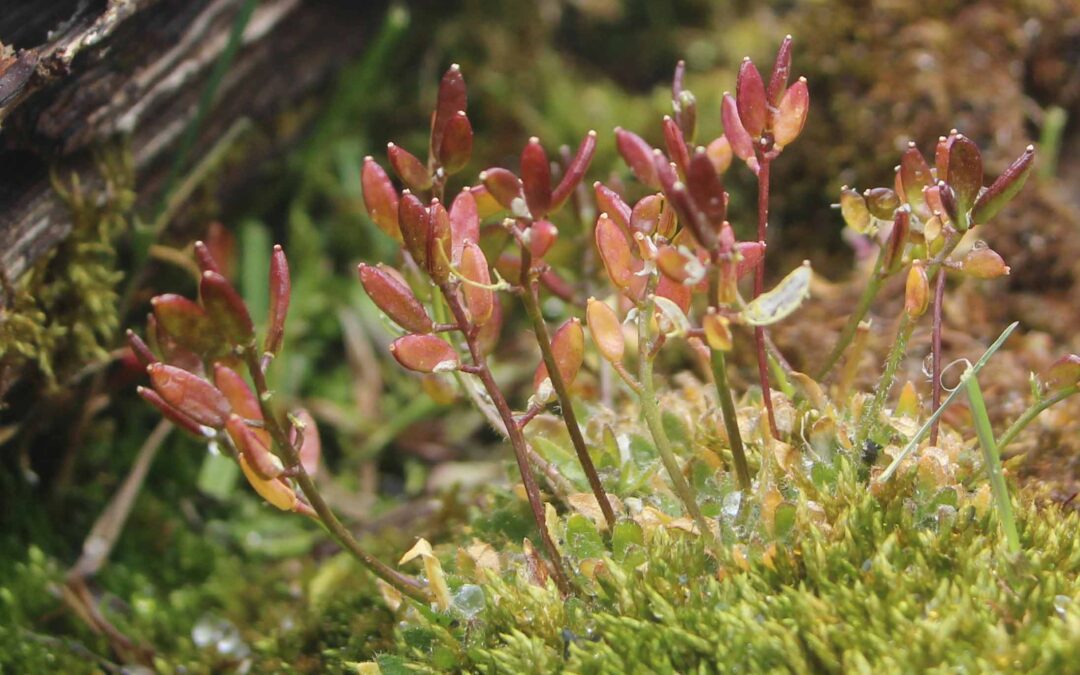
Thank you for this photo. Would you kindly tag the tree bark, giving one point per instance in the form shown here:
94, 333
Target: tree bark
76, 73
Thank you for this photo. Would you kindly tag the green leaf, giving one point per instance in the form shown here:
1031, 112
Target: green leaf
582, 539
781, 301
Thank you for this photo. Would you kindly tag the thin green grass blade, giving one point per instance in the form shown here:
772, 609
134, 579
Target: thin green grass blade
971, 372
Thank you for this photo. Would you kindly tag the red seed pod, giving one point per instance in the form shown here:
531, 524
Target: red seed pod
706, 188
750, 254
638, 156
487, 338
479, 300
678, 293
750, 99
790, 116
854, 210
542, 236
256, 453
941, 156
677, 84
781, 71
394, 298
575, 171
536, 178
690, 214
414, 219
452, 99
984, 263
190, 394
139, 348
882, 202
916, 290
464, 223
226, 309
1065, 372
170, 413
508, 265
606, 330
965, 173
311, 447
503, 185
206, 260
915, 177
280, 294
186, 323
717, 331
897, 238
380, 198
241, 399
686, 115
614, 252
720, 154
737, 135
439, 242
409, 168
424, 353
645, 215
665, 226
568, 348
221, 245
676, 144
486, 205
1002, 190
457, 142
945, 196
608, 201
171, 351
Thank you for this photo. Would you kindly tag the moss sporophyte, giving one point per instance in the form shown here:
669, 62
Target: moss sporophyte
757, 487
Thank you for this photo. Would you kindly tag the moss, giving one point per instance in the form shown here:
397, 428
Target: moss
62, 314
904, 582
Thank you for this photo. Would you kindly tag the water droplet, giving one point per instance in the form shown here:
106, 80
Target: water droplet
732, 501
468, 601
1061, 604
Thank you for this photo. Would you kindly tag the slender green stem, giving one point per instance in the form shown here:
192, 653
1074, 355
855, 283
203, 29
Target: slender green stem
731, 422
1033, 412
870, 292
970, 372
529, 297
289, 455
869, 420
651, 411
992, 460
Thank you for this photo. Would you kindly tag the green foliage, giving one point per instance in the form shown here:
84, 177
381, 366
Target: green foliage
905, 582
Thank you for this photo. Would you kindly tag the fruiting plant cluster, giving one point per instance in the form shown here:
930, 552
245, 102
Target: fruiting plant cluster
673, 267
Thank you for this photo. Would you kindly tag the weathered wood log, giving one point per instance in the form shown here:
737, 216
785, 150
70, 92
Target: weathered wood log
76, 73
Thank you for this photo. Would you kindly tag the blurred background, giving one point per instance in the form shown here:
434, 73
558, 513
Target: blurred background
129, 126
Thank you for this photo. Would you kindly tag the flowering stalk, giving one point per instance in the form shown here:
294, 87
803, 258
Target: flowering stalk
288, 453
935, 348
530, 298
759, 288
651, 412
480, 369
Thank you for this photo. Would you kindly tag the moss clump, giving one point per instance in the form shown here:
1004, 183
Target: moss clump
909, 581
62, 314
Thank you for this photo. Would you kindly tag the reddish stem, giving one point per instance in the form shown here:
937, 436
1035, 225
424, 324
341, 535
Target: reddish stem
513, 432
935, 349
759, 286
